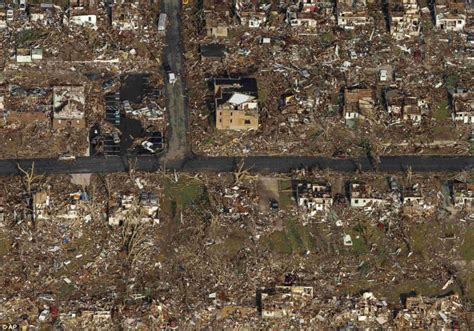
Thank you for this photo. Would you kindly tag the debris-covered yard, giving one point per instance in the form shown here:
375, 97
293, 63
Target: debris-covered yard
190, 249
303, 74
93, 49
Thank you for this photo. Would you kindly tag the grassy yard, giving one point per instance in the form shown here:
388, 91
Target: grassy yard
232, 244
181, 194
26, 38
467, 248
442, 111
284, 191
4, 245
420, 286
294, 239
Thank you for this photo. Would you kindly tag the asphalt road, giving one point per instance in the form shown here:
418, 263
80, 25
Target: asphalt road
265, 164
176, 100
179, 156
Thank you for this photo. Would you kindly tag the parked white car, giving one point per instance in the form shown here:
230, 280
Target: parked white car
22, 5
171, 77
148, 146
116, 138
126, 106
67, 157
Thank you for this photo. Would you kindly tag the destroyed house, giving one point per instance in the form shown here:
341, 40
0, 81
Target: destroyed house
236, 103
285, 301
217, 5
27, 105
10, 16
213, 51
23, 55
404, 107
2, 210
217, 17
404, 19
411, 195
250, 13
3, 19
363, 312
462, 106
358, 103
45, 14
462, 194
352, 13
38, 15
314, 197
129, 208
450, 15
83, 3
393, 102
90, 319
119, 212
410, 4
125, 17
309, 6
469, 27
412, 110
303, 20
75, 204
470, 42
69, 107
440, 312
215, 27
252, 19
2, 103
320, 7
84, 17
363, 195
40, 205
28, 55
148, 203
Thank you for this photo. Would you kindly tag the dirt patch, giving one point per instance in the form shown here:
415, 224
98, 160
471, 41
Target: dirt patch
267, 190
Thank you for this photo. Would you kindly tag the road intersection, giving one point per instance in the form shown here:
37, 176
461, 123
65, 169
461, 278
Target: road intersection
179, 156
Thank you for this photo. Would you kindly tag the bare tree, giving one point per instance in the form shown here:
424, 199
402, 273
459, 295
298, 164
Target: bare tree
409, 174
240, 173
94, 207
134, 241
132, 165
464, 176
29, 177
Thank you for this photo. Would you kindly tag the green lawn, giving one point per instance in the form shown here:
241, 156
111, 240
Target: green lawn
182, 194
467, 248
232, 244
295, 238
358, 245
452, 80
4, 245
65, 291
442, 111
284, 193
26, 38
327, 38
420, 286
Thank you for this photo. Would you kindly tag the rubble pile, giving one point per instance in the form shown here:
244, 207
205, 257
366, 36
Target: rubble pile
309, 249
91, 49
170, 250
304, 58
